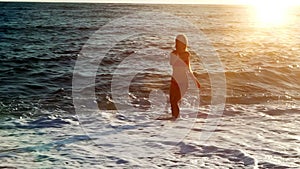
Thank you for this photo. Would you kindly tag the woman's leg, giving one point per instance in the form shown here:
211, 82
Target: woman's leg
174, 99
176, 92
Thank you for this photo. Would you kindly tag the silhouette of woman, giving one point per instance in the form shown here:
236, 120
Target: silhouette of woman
180, 61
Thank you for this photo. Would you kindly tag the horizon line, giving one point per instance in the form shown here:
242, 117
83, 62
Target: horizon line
155, 2
125, 2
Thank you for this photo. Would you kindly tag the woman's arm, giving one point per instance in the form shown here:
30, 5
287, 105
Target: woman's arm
172, 58
192, 74
194, 77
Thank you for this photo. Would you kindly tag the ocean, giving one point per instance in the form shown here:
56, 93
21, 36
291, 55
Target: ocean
81, 85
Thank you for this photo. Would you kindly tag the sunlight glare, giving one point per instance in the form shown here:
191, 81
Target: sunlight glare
272, 13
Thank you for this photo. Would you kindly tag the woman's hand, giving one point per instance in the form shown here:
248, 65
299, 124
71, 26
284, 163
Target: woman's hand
196, 80
198, 84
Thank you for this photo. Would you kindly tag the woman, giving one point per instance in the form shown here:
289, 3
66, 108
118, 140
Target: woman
180, 61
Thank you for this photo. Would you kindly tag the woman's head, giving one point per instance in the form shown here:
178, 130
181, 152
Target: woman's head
181, 43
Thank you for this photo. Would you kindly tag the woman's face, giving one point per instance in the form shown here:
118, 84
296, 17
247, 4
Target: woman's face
180, 46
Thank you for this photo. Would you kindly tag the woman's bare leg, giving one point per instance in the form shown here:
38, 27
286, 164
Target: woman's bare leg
175, 97
175, 109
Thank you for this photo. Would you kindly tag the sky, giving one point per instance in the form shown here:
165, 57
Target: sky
170, 1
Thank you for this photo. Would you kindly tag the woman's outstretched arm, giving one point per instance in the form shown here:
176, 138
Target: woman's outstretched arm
192, 74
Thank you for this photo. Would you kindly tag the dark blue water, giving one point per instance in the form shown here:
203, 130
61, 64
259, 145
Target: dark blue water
39, 45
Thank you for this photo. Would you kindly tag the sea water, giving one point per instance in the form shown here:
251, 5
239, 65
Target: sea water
42, 127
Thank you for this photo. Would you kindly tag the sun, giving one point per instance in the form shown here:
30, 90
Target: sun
272, 13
